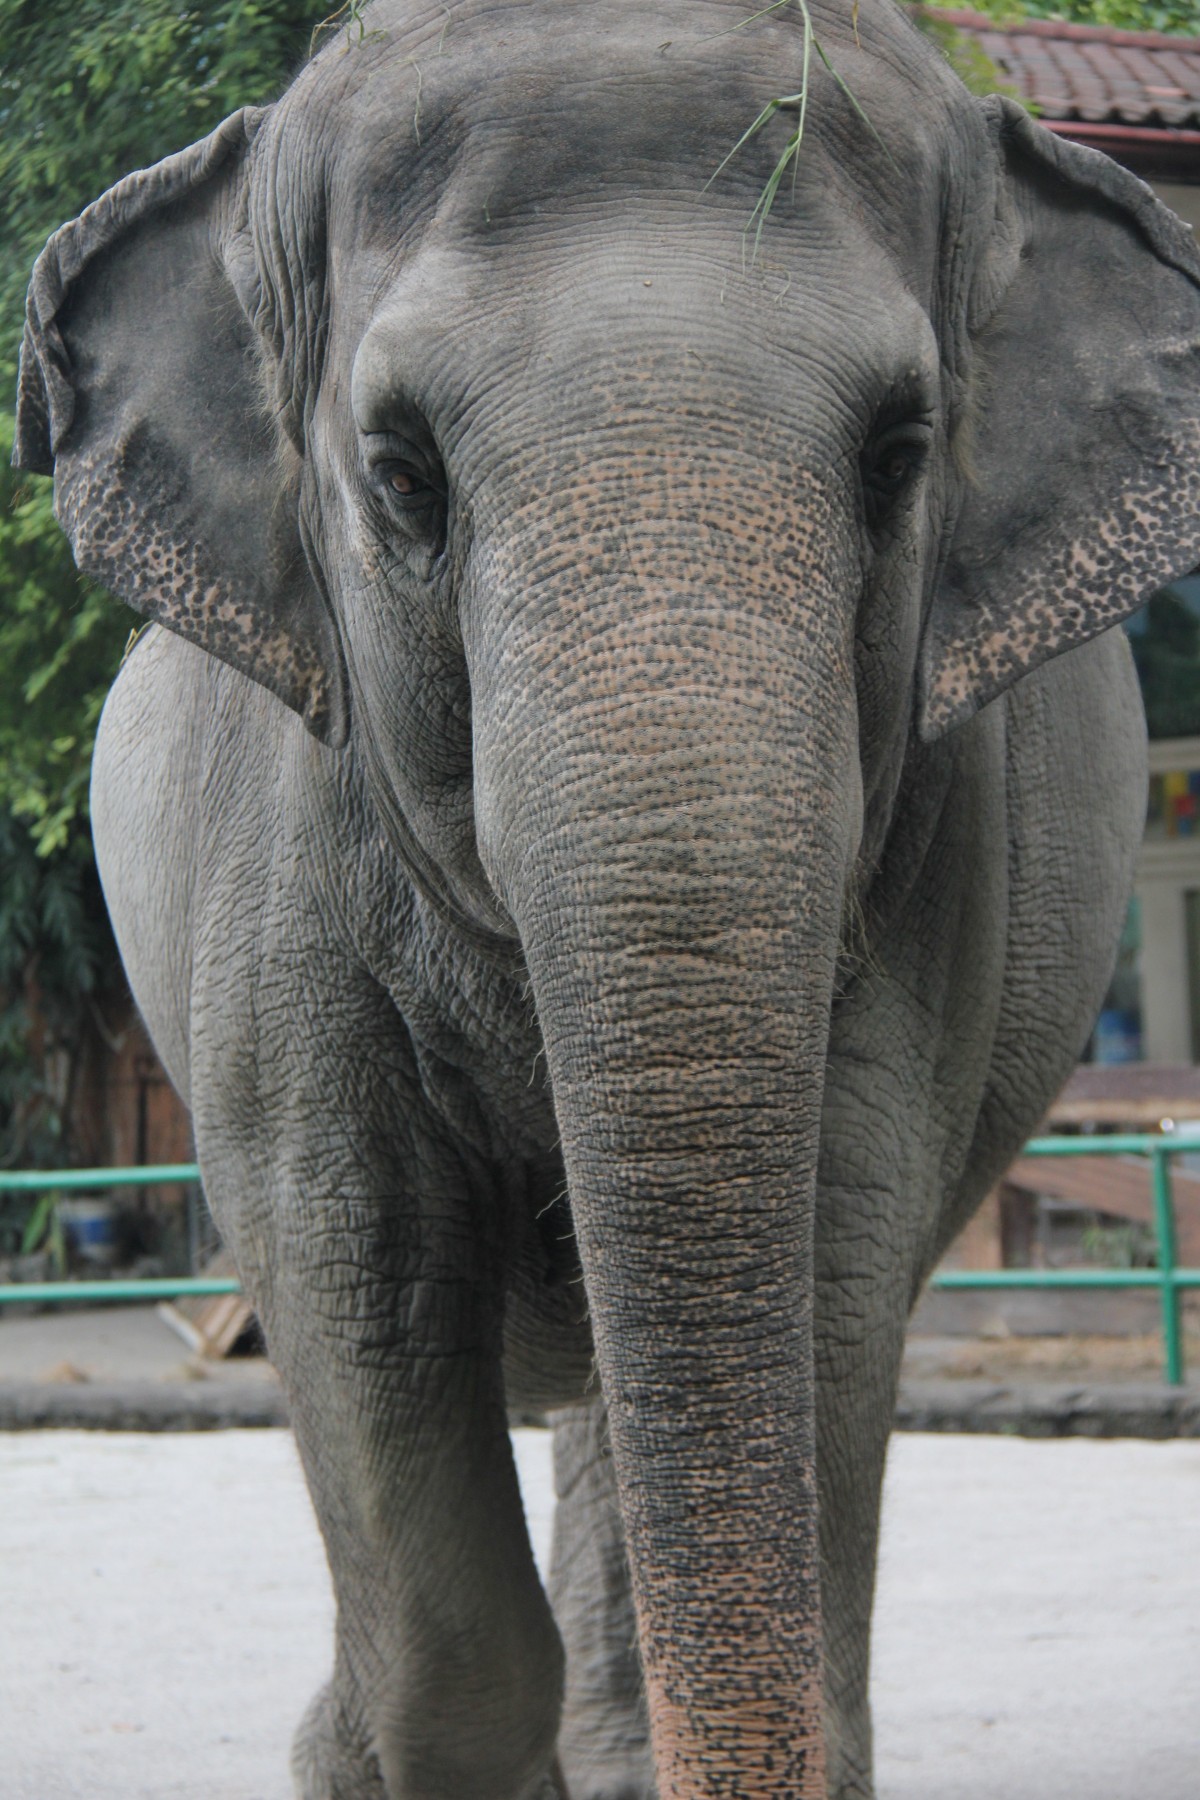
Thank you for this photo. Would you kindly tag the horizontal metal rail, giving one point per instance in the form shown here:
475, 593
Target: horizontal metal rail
1064, 1278
1168, 1278
75, 1181
150, 1287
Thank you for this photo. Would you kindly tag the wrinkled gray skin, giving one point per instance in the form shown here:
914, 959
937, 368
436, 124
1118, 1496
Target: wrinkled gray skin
699, 869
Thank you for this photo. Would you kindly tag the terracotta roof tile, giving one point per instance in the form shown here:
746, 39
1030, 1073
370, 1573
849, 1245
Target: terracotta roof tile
1092, 73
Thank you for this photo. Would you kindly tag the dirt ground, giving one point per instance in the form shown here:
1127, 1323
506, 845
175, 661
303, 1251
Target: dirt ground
1076, 1358
120, 1343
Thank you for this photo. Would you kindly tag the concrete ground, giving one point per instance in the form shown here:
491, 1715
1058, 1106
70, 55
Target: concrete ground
167, 1614
109, 1344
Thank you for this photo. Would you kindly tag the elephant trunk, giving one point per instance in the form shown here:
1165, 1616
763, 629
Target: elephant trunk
662, 804
688, 1120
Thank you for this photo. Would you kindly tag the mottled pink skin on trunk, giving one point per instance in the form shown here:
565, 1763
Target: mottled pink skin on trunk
673, 837
703, 1337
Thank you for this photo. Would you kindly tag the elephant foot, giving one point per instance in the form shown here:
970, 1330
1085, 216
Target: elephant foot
330, 1759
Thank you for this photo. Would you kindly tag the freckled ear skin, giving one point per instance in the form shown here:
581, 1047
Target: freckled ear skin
142, 391
1080, 463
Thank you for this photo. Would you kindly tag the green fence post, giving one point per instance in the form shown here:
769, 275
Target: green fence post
1164, 1218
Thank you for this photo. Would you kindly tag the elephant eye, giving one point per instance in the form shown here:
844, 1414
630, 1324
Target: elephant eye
889, 472
412, 492
890, 464
404, 472
406, 484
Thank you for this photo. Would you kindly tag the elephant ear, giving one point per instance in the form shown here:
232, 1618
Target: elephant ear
145, 390
1079, 449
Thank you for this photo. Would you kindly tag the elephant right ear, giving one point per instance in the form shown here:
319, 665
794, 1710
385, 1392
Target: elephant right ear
144, 391
1078, 459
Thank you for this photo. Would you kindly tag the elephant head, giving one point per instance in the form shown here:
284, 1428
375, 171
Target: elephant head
449, 399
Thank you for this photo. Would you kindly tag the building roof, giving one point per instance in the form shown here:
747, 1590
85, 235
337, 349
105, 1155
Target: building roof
1135, 94
1129, 1096
1089, 72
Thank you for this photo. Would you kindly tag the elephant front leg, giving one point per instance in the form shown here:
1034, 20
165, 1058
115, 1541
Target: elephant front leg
858, 1337
376, 1270
604, 1742
447, 1675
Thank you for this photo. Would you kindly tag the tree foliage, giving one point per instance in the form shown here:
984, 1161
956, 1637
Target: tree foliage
89, 89
54, 946
1166, 648
1177, 16
1181, 17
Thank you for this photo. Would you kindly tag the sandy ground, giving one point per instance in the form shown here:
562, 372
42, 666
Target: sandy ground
167, 1614
115, 1343
1103, 1361
108, 1344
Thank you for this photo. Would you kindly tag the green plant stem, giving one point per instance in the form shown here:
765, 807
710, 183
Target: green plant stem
791, 151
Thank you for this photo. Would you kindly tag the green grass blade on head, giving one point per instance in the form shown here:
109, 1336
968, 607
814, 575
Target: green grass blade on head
858, 109
767, 112
791, 152
810, 39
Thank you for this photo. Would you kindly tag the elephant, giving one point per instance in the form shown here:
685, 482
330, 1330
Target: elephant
629, 818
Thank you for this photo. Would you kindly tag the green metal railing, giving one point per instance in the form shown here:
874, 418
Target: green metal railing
1168, 1278
89, 1181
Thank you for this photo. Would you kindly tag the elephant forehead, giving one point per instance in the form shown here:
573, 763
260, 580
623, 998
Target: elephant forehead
478, 115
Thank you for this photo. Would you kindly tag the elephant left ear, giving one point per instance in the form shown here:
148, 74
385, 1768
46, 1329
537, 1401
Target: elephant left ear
149, 391
1079, 448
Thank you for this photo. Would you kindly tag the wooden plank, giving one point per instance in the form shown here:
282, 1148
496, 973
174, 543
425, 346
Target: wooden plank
211, 1325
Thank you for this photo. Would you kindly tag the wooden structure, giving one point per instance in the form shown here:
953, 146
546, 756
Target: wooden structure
211, 1327
1116, 1190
